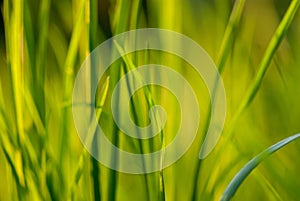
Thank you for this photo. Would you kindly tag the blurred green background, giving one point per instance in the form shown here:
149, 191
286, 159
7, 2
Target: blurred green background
43, 44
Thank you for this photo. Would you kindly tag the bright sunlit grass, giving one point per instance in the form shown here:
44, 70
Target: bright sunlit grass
254, 44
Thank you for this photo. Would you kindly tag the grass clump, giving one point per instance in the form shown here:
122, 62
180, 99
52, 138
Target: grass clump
43, 45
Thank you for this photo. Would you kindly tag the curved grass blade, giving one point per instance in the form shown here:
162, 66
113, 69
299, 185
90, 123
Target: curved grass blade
251, 165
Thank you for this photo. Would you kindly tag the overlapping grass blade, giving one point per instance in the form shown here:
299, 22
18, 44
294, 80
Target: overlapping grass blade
14, 35
84, 155
39, 74
13, 22
230, 33
264, 64
119, 23
69, 67
93, 38
224, 51
130, 66
252, 164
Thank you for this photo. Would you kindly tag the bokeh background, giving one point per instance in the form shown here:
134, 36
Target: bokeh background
42, 46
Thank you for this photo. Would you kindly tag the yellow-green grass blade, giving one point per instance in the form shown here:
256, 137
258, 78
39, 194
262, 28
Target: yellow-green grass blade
120, 19
82, 160
266, 60
69, 67
130, 66
9, 152
34, 113
255, 85
93, 42
224, 51
229, 34
15, 45
40, 71
13, 23
30, 36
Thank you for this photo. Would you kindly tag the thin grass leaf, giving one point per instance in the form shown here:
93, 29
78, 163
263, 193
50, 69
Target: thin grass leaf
267, 58
93, 42
13, 23
124, 12
35, 191
11, 162
267, 184
82, 160
134, 19
29, 35
67, 91
119, 24
56, 39
268, 55
39, 72
69, 67
120, 20
19, 166
96, 170
229, 34
9, 151
1, 103
224, 51
130, 66
93, 33
99, 106
33, 110
14, 37
44, 12
252, 164
73, 47
280, 71
170, 11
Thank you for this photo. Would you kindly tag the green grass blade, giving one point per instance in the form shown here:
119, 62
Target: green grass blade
130, 66
93, 31
265, 62
134, 19
267, 58
93, 37
120, 20
252, 164
9, 151
34, 113
119, 23
69, 67
229, 33
29, 35
73, 47
13, 23
82, 161
40, 71
220, 62
99, 108
15, 54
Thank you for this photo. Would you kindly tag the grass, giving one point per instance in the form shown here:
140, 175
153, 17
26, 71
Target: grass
266, 59
251, 165
255, 45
